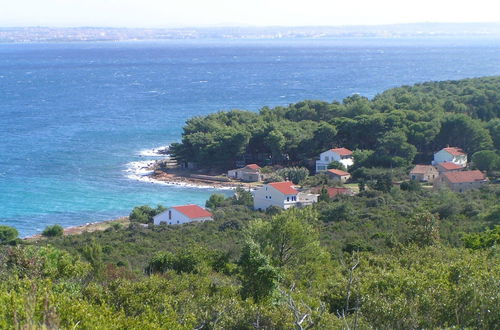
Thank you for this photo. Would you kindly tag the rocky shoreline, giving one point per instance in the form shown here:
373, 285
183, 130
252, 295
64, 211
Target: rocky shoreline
160, 168
185, 178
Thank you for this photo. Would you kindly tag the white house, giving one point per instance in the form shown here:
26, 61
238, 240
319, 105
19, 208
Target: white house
452, 155
341, 155
249, 173
281, 194
182, 214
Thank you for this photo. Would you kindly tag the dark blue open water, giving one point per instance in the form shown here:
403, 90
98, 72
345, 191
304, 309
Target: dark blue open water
72, 116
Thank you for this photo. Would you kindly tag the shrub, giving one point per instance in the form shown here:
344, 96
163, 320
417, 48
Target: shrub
215, 201
53, 231
337, 166
294, 174
145, 213
410, 186
8, 234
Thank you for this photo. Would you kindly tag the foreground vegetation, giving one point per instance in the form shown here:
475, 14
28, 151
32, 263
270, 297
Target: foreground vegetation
401, 259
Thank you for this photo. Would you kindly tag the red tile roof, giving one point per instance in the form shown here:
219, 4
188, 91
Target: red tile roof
455, 151
342, 151
193, 211
253, 166
421, 169
338, 172
285, 187
465, 176
332, 192
450, 166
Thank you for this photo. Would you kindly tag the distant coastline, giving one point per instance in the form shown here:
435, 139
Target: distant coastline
83, 34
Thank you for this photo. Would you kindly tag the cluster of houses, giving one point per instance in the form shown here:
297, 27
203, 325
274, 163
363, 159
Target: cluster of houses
447, 169
285, 195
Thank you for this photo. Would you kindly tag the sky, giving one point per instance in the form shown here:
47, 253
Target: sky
199, 13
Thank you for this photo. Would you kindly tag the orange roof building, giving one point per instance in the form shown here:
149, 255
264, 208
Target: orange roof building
182, 214
452, 155
341, 155
281, 194
338, 175
424, 173
285, 187
461, 181
448, 167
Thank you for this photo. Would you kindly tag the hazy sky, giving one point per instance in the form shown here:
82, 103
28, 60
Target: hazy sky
168, 13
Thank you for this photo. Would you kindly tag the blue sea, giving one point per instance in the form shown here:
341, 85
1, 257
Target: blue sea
75, 116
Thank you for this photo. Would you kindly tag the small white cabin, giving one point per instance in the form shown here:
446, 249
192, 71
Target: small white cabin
177, 215
341, 155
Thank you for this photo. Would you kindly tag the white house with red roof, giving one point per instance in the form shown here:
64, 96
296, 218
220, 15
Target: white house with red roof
341, 155
450, 154
338, 175
249, 173
281, 194
461, 181
177, 215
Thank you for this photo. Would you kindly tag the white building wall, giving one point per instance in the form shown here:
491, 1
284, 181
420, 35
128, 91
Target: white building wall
329, 156
444, 156
177, 218
267, 196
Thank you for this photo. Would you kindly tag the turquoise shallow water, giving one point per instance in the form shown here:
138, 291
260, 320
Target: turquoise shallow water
72, 116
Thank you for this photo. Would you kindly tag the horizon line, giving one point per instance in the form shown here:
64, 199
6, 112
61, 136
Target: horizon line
236, 25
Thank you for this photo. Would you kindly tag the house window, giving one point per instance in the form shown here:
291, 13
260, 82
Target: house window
169, 215
287, 199
177, 221
327, 158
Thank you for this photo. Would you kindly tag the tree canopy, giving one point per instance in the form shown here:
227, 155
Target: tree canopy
399, 125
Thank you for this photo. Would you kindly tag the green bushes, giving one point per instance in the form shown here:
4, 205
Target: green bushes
145, 213
383, 262
8, 234
53, 231
294, 174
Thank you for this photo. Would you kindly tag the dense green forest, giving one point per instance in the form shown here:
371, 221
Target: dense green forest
394, 129
390, 257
